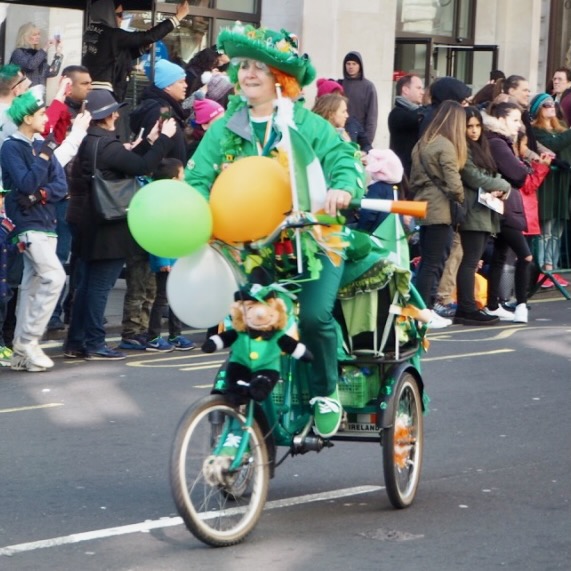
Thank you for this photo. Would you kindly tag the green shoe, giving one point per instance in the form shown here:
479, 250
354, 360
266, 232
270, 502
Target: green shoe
5, 356
327, 413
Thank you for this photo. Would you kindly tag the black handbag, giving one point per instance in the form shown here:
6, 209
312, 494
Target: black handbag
111, 198
458, 210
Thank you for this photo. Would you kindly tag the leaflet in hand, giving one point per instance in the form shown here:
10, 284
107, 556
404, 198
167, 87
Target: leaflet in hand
492, 202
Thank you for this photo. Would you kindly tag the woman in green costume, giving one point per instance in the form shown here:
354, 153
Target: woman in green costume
260, 59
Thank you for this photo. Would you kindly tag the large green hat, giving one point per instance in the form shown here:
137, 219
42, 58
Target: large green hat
276, 49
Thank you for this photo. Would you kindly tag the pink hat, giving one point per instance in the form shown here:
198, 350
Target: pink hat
205, 110
384, 165
327, 86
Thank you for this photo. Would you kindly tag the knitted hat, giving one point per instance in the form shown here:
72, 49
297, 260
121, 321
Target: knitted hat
276, 49
205, 110
446, 88
101, 103
327, 86
537, 102
26, 104
218, 84
167, 73
384, 165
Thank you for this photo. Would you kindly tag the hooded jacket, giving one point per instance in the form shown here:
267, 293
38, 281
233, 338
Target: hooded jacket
108, 51
443, 89
362, 97
148, 112
432, 162
24, 172
511, 168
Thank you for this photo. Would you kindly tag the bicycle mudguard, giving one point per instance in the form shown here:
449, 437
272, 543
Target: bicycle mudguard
386, 402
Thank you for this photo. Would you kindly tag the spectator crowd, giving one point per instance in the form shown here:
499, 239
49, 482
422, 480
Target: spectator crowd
494, 168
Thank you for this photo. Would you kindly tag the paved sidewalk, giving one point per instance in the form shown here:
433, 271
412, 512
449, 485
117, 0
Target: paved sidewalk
114, 315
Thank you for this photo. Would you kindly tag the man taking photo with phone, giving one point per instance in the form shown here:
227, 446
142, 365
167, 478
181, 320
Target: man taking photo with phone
161, 101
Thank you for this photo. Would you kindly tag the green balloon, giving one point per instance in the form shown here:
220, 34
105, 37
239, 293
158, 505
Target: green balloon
170, 219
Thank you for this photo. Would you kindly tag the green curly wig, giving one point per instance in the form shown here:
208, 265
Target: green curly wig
9, 72
276, 49
25, 104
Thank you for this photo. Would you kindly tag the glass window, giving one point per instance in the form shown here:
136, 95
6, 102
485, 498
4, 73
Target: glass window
439, 18
465, 19
247, 6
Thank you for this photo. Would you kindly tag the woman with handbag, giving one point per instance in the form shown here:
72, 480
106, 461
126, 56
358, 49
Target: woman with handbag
437, 159
103, 244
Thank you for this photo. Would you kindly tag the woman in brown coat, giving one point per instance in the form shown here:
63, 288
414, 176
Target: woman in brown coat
437, 159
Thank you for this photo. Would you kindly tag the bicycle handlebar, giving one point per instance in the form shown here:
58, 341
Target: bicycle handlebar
302, 220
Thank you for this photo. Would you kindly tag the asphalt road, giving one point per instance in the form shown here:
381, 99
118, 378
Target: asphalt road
84, 454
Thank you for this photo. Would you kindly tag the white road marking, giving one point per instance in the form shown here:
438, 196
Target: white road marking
443, 357
32, 407
174, 521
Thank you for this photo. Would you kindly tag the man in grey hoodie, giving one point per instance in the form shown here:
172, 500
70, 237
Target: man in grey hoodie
361, 93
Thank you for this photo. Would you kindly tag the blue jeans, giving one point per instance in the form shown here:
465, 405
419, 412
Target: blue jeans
549, 243
63, 249
86, 329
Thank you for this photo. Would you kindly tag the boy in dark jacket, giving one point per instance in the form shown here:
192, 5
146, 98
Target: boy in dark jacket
36, 183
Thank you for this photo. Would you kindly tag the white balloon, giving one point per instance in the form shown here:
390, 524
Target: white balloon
201, 287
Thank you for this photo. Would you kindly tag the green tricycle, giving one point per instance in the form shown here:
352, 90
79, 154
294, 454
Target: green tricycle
225, 449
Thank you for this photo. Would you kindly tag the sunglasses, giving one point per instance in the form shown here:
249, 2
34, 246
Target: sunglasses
19, 82
548, 104
243, 63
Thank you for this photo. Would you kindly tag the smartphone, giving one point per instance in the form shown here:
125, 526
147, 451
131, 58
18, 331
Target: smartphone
82, 108
141, 133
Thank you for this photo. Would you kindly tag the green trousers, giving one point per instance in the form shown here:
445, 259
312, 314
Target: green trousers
318, 328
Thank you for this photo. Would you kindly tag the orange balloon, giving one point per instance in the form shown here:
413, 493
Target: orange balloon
249, 199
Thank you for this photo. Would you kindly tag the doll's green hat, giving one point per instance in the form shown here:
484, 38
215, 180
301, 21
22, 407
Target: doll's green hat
276, 49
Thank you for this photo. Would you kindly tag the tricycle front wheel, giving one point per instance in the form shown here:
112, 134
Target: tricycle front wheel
403, 442
220, 503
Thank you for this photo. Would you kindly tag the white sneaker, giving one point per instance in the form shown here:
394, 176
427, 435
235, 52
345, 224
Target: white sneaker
502, 313
520, 313
20, 362
33, 355
438, 322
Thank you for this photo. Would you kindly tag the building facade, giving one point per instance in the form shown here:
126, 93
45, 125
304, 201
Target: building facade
463, 38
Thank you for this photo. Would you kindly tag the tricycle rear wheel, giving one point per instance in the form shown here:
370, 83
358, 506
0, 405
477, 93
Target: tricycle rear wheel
403, 442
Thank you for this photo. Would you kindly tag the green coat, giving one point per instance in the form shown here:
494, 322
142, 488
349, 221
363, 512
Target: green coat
342, 170
553, 194
479, 217
441, 160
